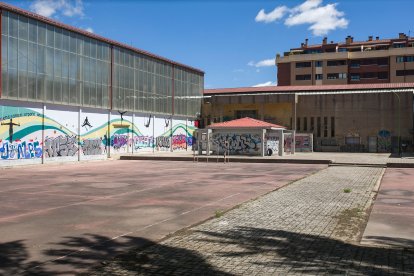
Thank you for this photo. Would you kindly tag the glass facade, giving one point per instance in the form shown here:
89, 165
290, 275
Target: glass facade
188, 88
45, 63
41, 62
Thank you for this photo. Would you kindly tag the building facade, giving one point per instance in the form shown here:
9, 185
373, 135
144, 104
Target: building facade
350, 62
349, 118
70, 94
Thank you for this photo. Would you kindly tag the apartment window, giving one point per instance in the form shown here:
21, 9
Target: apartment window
336, 62
355, 77
332, 126
399, 59
325, 126
318, 77
369, 61
409, 59
303, 64
355, 64
342, 50
305, 124
298, 124
401, 73
312, 124
383, 75
318, 63
318, 127
383, 61
313, 51
303, 77
333, 76
342, 75
399, 45
369, 75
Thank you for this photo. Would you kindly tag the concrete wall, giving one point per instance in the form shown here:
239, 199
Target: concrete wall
32, 133
360, 117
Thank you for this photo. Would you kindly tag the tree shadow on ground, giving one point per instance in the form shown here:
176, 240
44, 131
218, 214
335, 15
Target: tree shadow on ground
257, 247
311, 254
86, 254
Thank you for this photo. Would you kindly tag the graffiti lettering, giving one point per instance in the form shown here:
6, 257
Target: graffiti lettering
302, 143
163, 142
272, 144
143, 142
92, 146
238, 143
179, 142
384, 141
61, 146
288, 143
20, 150
119, 141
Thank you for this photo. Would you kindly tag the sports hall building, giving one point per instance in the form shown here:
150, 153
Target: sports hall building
67, 94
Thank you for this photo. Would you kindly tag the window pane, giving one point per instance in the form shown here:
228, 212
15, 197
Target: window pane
23, 26
58, 38
32, 30
13, 25
50, 39
5, 23
41, 29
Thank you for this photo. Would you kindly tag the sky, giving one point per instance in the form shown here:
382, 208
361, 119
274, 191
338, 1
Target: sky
233, 42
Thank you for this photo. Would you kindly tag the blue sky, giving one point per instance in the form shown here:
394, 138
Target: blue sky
232, 41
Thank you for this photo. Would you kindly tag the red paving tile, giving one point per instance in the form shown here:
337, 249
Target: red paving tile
52, 211
392, 218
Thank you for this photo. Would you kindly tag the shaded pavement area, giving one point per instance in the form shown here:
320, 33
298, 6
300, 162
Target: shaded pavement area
392, 217
65, 218
310, 227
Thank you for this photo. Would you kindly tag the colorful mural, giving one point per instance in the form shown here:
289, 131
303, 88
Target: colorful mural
239, 143
303, 142
70, 134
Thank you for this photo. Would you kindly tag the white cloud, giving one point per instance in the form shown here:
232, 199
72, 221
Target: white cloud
49, 8
268, 83
89, 29
321, 19
263, 63
274, 15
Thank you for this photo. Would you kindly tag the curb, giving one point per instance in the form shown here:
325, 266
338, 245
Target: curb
220, 159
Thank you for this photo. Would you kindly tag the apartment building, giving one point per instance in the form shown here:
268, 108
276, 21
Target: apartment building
350, 62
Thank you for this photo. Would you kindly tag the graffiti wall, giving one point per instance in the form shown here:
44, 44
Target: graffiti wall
287, 143
49, 133
61, 141
162, 133
21, 133
272, 144
143, 139
384, 141
238, 143
94, 137
120, 130
179, 135
303, 142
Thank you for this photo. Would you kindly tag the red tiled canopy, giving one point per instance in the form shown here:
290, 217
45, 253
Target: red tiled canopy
245, 122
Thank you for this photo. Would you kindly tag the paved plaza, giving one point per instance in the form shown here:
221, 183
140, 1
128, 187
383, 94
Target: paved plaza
65, 218
309, 227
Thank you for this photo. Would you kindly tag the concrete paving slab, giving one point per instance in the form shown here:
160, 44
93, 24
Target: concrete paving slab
52, 213
392, 218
